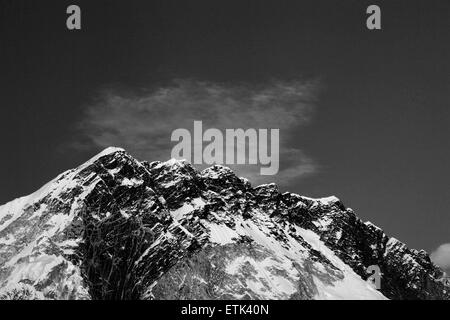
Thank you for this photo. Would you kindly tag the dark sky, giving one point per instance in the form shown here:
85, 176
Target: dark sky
379, 133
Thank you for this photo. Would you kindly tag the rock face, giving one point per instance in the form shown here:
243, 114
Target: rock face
117, 228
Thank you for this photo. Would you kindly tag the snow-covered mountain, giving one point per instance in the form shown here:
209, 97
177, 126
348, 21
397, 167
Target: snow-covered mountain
118, 228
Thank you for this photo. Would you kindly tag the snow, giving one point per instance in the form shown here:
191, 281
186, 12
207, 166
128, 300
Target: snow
39, 212
323, 223
325, 201
27, 251
351, 287
220, 233
181, 212
112, 172
67, 246
370, 224
169, 184
35, 269
198, 203
314, 240
260, 233
124, 214
171, 163
186, 231
329, 200
64, 182
131, 182
103, 153
162, 200
391, 244
11, 211
264, 280
58, 222
9, 239
31, 261
187, 208
267, 186
215, 172
274, 276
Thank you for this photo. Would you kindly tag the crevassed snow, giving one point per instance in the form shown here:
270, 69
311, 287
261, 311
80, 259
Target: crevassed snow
351, 287
260, 234
264, 281
11, 211
36, 270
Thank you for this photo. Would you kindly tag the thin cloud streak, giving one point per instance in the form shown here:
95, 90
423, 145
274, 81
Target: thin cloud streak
143, 123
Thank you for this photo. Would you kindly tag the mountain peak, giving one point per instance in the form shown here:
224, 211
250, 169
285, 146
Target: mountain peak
217, 171
105, 152
118, 228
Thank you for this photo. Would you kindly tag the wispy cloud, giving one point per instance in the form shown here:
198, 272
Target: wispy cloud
441, 256
142, 123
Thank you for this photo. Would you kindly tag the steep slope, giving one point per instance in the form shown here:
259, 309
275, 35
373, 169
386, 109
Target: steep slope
117, 228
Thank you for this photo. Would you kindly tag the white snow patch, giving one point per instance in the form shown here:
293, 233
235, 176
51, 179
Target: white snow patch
220, 233
370, 224
351, 287
105, 152
269, 283
179, 213
11, 211
186, 208
131, 182
198, 203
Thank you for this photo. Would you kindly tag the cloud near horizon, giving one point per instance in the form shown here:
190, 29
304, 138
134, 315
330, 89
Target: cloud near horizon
441, 257
143, 123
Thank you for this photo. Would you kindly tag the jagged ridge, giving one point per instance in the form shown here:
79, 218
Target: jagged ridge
117, 228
